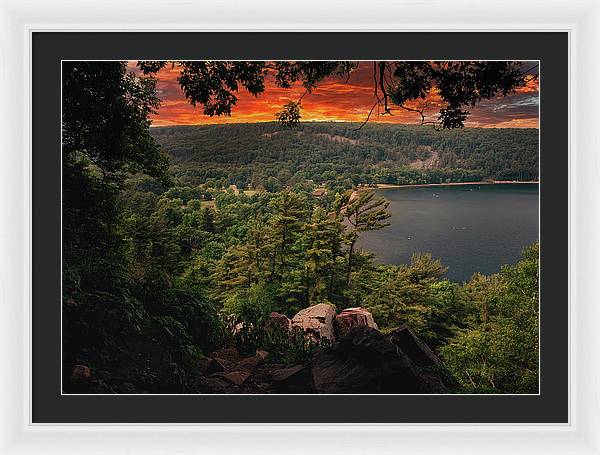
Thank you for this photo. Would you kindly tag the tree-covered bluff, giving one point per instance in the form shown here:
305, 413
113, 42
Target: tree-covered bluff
267, 155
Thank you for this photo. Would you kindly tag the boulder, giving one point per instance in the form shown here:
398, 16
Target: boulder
248, 364
414, 347
225, 358
316, 321
351, 317
80, 373
262, 354
220, 385
295, 379
235, 377
278, 321
433, 383
364, 361
226, 365
208, 366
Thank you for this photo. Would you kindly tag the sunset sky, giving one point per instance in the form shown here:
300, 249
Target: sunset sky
335, 100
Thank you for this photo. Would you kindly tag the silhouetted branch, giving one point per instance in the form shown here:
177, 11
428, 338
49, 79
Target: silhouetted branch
369, 116
382, 87
530, 69
533, 76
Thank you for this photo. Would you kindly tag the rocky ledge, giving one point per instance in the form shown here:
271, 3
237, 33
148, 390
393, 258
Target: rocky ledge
355, 358
360, 359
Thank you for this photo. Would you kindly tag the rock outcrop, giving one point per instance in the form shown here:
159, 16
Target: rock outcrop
356, 358
80, 373
351, 317
316, 321
295, 379
227, 372
278, 321
418, 351
364, 361
429, 364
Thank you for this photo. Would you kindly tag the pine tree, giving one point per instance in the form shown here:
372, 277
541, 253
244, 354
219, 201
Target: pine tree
285, 226
248, 263
363, 212
321, 243
208, 220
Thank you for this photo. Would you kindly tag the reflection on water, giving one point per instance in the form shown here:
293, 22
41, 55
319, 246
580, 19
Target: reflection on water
470, 228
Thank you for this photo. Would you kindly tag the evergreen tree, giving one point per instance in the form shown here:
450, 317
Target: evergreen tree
321, 245
248, 263
363, 212
208, 220
284, 226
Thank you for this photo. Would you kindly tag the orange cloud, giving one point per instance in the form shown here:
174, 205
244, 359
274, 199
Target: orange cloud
336, 100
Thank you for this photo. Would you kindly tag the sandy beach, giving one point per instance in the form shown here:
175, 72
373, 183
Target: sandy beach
383, 186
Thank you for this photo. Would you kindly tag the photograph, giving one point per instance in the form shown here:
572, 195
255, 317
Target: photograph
286, 227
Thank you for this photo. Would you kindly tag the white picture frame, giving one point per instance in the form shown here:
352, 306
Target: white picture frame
18, 19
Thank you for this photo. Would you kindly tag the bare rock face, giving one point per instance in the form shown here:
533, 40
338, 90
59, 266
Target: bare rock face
262, 354
248, 364
422, 356
227, 372
278, 321
224, 359
235, 377
351, 317
433, 383
418, 351
316, 321
295, 379
208, 366
364, 361
216, 384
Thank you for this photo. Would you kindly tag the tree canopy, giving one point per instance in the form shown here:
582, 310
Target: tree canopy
333, 154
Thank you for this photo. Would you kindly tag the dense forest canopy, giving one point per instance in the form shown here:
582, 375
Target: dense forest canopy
260, 155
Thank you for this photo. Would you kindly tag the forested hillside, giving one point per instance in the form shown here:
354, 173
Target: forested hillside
266, 155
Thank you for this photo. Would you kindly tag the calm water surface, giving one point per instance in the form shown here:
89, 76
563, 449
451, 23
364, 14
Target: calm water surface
474, 228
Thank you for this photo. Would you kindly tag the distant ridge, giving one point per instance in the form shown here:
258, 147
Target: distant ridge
251, 153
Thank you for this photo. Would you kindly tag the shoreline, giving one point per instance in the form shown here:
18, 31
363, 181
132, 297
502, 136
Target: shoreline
385, 186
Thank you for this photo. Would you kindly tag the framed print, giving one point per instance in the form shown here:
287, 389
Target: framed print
306, 232
245, 231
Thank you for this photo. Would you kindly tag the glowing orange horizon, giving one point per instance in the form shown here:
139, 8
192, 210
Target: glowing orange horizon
335, 100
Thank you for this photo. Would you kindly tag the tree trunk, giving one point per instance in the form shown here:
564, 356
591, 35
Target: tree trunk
350, 253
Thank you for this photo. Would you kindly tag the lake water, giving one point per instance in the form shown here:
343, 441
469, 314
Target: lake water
472, 228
